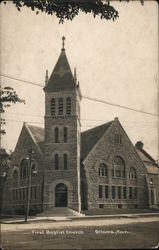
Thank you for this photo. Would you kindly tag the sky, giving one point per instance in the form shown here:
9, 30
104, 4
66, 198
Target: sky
116, 62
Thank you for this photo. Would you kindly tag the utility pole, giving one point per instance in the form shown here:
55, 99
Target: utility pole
30, 158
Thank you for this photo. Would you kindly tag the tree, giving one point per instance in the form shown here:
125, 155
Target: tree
7, 97
4, 162
4, 167
68, 9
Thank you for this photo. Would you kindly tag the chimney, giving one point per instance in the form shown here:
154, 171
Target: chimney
139, 145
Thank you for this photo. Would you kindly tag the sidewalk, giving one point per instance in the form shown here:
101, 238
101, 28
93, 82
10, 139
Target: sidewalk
83, 224
73, 218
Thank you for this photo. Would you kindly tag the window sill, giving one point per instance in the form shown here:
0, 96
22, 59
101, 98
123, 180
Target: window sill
58, 169
61, 142
115, 177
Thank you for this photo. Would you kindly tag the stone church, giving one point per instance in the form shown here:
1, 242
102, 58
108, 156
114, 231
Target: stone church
98, 168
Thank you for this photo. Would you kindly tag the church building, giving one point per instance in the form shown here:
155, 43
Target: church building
98, 168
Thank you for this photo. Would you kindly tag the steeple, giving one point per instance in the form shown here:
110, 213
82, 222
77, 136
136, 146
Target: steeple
75, 75
46, 77
63, 43
62, 135
61, 77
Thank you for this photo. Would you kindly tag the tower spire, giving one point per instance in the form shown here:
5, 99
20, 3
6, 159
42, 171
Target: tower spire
46, 77
63, 43
75, 75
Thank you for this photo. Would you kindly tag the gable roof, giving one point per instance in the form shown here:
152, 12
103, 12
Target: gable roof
144, 155
90, 137
37, 132
141, 155
151, 169
38, 135
149, 162
61, 76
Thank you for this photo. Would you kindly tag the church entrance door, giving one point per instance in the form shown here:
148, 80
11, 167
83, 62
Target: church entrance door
61, 195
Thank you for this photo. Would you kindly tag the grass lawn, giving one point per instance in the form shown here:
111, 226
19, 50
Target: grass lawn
110, 211
128, 236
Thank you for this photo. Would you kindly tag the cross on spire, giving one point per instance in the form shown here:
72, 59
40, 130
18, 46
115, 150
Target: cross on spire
63, 43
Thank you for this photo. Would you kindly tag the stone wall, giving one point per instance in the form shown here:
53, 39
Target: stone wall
70, 176
24, 144
104, 152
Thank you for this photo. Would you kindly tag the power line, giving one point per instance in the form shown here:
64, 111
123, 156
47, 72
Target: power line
21, 80
86, 97
119, 106
21, 121
82, 119
24, 114
14, 120
83, 126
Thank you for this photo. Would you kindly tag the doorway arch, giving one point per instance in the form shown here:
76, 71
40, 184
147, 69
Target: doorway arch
61, 195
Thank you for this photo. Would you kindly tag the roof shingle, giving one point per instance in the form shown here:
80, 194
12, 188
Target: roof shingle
148, 161
38, 134
61, 77
90, 137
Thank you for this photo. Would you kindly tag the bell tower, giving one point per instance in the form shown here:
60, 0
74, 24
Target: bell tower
62, 137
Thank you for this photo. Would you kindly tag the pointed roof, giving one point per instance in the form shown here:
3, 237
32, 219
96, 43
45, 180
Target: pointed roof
151, 165
38, 135
61, 77
37, 132
145, 156
90, 137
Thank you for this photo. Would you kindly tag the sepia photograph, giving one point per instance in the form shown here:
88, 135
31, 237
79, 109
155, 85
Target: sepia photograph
79, 124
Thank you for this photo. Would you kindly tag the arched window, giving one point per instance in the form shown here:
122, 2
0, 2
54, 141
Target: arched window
15, 175
103, 170
56, 161
118, 139
60, 106
56, 135
24, 169
34, 169
65, 161
68, 106
52, 106
132, 173
65, 134
118, 168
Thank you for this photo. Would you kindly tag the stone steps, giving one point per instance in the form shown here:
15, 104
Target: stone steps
60, 212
